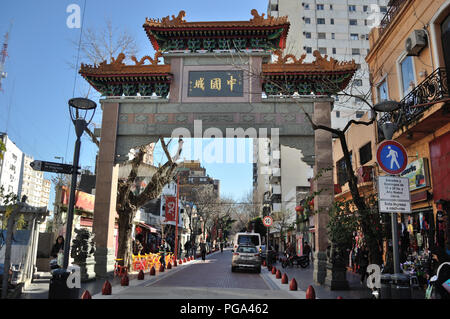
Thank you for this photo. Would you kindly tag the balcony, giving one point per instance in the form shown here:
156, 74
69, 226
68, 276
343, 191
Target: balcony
276, 189
394, 9
432, 90
275, 198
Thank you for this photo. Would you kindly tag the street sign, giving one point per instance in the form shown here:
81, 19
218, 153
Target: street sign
52, 167
392, 157
267, 221
393, 194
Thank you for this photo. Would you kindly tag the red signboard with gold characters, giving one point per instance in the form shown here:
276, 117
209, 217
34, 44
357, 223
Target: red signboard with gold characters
171, 203
83, 201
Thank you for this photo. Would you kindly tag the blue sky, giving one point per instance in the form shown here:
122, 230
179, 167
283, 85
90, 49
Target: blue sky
33, 105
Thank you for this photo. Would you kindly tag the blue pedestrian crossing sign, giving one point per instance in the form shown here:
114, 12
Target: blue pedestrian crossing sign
392, 157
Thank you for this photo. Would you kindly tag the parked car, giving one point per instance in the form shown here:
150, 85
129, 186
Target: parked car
246, 257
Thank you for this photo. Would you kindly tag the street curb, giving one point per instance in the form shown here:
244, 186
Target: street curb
269, 277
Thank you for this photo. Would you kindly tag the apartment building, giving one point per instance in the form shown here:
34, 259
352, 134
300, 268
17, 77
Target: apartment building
33, 184
10, 166
339, 29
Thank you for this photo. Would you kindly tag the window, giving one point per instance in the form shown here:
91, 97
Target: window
321, 35
274, 7
382, 91
331, 21
359, 114
308, 50
307, 20
331, 7
407, 74
352, 8
365, 8
306, 6
333, 36
334, 50
323, 51
341, 171
338, 114
320, 7
353, 36
353, 22
320, 21
383, 9
308, 35
358, 82
365, 153
355, 51
365, 22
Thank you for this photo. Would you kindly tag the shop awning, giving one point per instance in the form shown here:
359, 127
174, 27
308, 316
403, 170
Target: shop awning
152, 229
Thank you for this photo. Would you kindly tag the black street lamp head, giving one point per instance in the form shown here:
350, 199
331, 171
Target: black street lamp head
80, 107
387, 106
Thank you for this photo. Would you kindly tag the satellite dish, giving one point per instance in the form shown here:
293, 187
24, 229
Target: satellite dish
387, 106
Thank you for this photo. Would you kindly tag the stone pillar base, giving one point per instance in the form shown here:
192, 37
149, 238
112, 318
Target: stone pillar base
104, 262
87, 269
336, 278
320, 267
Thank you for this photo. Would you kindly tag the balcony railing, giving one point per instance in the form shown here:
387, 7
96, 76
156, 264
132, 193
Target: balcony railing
394, 8
430, 91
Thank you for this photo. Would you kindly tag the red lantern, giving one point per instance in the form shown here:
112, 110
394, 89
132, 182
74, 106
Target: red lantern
138, 230
311, 203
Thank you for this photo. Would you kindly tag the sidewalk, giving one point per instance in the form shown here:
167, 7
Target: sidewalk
39, 287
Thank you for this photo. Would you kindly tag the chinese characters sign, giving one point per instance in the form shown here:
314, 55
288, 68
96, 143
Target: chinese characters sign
216, 83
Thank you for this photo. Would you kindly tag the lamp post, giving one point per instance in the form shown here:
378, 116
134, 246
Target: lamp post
79, 109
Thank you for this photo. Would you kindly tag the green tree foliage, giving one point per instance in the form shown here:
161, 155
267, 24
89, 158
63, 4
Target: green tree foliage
2, 149
258, 226
342, 224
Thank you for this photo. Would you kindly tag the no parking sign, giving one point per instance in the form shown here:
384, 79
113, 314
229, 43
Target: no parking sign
267, 221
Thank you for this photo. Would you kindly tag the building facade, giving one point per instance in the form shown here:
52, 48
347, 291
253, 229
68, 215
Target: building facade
10, 166
339, 29
33, 184
408, 60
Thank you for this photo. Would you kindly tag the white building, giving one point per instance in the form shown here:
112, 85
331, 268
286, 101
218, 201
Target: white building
33, 184
339, 29
10, 166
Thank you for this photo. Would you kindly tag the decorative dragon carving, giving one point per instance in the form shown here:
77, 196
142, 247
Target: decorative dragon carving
153, 61
166, 21
333, 64
283, 60
259, 19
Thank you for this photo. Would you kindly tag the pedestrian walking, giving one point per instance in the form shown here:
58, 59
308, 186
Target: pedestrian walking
163, 249
221, 247
306, 249
203, 249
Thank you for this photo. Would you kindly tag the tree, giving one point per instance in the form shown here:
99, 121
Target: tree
282, 223
128, 203
205, 200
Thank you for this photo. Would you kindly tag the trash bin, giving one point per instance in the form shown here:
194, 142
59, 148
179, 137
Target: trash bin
400, 287
58, 286
385, 291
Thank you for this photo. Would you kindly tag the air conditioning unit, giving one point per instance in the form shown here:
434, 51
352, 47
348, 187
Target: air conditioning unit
415, 42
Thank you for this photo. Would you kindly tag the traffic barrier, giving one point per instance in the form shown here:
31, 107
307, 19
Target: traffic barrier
278, 274
141, 275
169, 266
86, 295
180, 262
310, 293
274, 270
184, 260
284, 279
175, 263
125, 280
152, 271
293, 284
161, 268
106, 289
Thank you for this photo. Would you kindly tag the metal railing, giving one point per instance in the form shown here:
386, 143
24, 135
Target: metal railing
430, 91
394, 8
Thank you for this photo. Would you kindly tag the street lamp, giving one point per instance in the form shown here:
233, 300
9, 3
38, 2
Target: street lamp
79, 110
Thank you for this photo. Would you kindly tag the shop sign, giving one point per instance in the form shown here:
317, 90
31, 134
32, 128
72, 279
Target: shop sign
394, 195
417, 173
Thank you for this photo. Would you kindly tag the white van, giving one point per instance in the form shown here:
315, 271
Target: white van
247, 238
